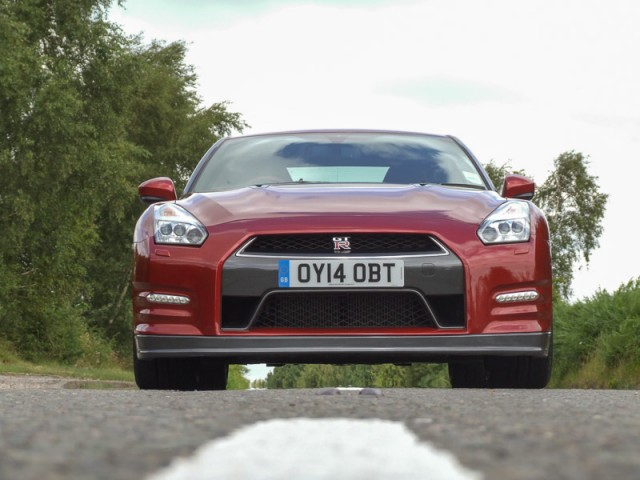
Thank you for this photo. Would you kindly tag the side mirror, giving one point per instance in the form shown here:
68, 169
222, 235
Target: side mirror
517, 186
157, 190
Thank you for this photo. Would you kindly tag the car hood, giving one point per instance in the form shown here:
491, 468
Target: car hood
314, 205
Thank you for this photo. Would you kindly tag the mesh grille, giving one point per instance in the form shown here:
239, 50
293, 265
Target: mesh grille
344, 310
360, 243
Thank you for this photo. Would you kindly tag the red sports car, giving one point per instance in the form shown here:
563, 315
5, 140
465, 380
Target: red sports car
341, 247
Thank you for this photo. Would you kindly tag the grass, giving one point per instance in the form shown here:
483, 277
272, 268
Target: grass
10, 363
98, 385
21, 367
596, 374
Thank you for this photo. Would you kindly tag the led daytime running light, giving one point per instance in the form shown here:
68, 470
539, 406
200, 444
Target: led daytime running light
527, 296
167, 299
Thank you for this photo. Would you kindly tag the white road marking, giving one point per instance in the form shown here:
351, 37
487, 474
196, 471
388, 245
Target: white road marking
314, 449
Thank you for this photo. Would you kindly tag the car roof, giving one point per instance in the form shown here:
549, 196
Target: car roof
338, 130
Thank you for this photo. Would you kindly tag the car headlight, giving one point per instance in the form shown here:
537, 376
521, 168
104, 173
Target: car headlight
174, 225
509, 223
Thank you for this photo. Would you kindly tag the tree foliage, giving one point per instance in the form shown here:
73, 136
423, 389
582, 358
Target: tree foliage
87, 114
575, 207
383, 376
498, 172
237, 379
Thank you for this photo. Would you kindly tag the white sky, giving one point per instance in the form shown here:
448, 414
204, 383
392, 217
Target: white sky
516, 81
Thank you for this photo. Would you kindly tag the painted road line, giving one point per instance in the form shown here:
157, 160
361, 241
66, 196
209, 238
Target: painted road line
314, 449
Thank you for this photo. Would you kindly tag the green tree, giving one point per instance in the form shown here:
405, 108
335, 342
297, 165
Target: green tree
171, 131
498, 172
237, 379
87, 114
390, 376
313, 376
285, 376
384, 375
358, 376
575, 207
56, 147
259, 383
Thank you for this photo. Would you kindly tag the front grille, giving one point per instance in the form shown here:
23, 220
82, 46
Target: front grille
343, 310
360, 243
336, 310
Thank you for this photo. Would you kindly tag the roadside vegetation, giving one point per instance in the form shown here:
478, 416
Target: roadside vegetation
89, 112
598, 340
13, 363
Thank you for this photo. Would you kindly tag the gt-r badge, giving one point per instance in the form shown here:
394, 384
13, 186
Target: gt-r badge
341, 245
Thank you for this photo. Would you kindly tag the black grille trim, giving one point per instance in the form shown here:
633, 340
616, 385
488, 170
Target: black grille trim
361, 244
449, 310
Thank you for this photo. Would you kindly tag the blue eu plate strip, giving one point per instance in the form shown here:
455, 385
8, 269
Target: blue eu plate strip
283, 273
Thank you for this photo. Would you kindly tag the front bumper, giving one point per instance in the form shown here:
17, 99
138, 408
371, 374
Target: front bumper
343, 349
251, 296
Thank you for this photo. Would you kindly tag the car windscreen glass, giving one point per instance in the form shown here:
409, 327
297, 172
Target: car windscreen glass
338, 174
337, 158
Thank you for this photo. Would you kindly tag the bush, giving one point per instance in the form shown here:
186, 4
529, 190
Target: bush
600, 334
621, 344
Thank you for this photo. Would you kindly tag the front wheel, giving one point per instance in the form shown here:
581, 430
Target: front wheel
191, 373
501, 372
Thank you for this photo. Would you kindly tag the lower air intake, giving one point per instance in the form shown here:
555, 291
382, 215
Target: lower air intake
336, 310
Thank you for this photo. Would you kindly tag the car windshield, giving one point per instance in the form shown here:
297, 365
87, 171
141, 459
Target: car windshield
340, 157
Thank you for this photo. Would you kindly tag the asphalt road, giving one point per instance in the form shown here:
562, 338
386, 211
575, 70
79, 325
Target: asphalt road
48, 432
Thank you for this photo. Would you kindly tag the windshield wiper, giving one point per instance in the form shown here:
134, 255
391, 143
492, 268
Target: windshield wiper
299, 182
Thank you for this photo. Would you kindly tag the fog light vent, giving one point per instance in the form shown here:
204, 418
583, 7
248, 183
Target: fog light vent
527, 296
167, 299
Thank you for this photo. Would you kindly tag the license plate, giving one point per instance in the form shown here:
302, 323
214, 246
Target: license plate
340, 273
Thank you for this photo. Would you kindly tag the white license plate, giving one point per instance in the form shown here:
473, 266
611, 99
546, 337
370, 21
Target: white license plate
340, 273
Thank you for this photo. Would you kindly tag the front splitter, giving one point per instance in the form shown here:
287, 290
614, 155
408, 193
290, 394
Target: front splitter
339, 349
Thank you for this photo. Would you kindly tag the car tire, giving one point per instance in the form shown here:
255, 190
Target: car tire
518, 372
145, 372
467, 373
186, 374
502, 372
213, 374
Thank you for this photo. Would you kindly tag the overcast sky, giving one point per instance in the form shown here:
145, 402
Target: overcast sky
516, 81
